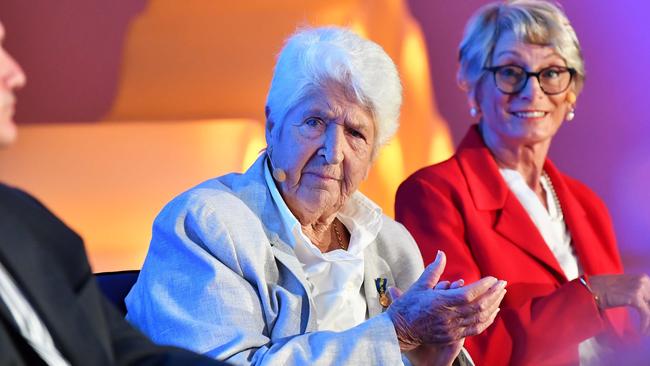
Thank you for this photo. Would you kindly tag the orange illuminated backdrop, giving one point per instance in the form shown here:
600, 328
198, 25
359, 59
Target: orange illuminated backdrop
188, 105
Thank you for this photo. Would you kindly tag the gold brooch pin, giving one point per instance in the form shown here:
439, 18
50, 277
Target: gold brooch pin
380, 283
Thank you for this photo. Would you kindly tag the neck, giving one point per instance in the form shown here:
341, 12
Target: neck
324, 235
527, 159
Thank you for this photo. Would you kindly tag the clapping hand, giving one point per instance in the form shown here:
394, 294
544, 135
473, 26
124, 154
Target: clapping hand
429, 313
439, 354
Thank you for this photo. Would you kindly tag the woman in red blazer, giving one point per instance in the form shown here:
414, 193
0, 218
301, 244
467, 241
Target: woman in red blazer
500, 207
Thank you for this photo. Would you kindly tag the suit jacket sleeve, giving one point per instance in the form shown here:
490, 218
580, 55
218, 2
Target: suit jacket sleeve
130, 347
88, 329
525, 328
204, 287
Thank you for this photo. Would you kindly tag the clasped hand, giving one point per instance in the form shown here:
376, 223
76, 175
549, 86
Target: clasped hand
443, 314
631, 290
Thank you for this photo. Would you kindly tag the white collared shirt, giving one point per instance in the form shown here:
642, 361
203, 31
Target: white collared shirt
335, 277
550, 223
553, 229
30, 325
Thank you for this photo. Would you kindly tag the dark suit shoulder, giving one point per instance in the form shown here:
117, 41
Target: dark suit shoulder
29, 222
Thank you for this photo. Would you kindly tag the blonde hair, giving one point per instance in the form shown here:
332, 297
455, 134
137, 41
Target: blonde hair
531, 21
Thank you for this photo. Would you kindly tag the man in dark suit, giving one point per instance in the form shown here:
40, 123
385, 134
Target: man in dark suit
51, 310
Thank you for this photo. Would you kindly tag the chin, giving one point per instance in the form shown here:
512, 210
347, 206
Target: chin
7, 133
320, 199
533, 131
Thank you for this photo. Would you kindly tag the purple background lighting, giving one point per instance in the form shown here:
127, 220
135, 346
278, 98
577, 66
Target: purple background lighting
605, 146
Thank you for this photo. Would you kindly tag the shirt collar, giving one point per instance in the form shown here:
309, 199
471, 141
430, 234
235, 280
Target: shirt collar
361, 216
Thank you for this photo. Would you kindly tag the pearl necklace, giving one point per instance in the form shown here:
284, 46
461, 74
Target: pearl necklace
553, 193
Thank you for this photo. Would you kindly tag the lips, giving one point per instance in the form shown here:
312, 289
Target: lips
325, 176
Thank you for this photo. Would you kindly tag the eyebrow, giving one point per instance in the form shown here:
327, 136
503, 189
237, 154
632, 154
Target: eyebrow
328, 116
316, 111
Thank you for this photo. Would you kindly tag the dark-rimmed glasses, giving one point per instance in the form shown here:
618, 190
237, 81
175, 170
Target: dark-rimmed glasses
512, 79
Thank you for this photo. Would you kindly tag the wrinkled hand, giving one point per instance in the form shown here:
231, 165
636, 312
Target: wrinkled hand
624, 290
430, 314
433, 354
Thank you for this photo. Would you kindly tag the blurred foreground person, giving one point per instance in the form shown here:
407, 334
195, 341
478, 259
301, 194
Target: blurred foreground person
51, 310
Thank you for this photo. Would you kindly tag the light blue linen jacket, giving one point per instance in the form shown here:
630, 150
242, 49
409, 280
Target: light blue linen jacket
220, 279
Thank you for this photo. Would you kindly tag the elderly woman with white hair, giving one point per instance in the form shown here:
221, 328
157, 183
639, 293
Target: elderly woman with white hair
500, 207
288, 263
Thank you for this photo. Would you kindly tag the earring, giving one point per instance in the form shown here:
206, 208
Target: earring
279, 174
571, 97
571, 114
473, 111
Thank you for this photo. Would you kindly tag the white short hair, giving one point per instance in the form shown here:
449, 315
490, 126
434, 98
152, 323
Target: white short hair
532, 21
313, 58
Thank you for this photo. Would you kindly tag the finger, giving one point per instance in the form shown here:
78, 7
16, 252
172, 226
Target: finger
442, 285
432, 273
457, 284
469, 293
481, 310
501, 284
644, 314
478, 328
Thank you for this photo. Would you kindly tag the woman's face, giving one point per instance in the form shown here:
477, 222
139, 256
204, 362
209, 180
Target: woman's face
325, 147
530, 116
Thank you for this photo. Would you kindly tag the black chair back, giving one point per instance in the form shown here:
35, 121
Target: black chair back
116, 285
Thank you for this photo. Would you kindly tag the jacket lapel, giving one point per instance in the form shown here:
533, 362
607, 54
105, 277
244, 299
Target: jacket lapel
284, 254
375, 267
575, 217
515, 225
490, 193
5, 313
252, 189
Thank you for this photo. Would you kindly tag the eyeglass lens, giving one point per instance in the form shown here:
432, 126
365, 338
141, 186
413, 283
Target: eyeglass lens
512, 79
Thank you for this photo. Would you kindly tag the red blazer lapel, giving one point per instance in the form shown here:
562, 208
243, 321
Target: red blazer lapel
576, 220
514, 224
594, 257
490, 193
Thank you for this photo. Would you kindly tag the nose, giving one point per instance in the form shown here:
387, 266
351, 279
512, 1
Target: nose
332, 148
532, 89
11, 74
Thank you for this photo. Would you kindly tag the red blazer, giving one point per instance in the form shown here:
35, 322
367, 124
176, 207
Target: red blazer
463, 207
